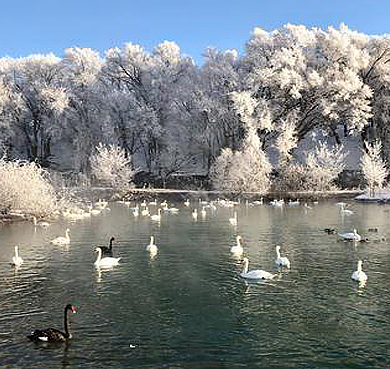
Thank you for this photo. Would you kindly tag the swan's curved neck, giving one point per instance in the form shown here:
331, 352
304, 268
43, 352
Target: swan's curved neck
359, 267
238, 241
67, 234
66, 323
245, 267
277, 252
99, 255
111, 243
16, 252
151, 240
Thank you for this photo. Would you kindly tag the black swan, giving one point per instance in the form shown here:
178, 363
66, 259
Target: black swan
107, 250
54, 335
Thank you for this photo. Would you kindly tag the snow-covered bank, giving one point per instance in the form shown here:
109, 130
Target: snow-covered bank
383, 197
178, 195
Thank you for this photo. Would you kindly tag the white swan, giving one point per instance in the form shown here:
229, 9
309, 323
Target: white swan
62, 240
145, 211
344, 211
157, 216
187, 203
351, 236
195, 214
237, 249
254, 274
359, 275
136, 211
203, 212
16, 259
40, 223
152, 248
233, 221
281, 261
107, 261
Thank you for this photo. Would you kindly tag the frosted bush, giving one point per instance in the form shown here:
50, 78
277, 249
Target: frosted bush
292, 177
323, 165
112, 166
25, 187
220, 171
319, 171
242, 171
373, 167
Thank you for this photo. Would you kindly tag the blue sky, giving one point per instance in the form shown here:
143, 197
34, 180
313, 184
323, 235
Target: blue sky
43, 26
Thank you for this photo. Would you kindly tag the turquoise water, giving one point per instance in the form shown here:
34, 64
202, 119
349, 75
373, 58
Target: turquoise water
187, 307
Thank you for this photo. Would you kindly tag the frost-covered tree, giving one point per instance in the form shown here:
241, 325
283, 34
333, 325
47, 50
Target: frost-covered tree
316, 75
151, 84
286, 140
36, 101
25, 187
373, 167
112, 166
85, 116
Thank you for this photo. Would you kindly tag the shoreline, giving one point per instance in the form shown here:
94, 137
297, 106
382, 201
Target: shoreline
93, 194
181, 195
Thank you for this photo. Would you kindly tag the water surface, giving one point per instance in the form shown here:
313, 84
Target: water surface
188, 307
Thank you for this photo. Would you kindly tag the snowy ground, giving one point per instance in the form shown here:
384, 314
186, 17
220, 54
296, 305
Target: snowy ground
383, 197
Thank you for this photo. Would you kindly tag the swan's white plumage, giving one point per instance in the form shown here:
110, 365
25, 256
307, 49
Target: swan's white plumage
351, 236
145, 211
254, 274
151, 247
237, 248
62, 240
40, 223
16, 259
107, 261
281, 260
233, 221
156, 216
359, 275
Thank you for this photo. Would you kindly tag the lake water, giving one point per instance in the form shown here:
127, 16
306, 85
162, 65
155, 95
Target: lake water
188, 307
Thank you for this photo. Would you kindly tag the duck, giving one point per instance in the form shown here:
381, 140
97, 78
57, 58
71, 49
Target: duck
254, 274
107, 250
106, 261
151, 247
233, 221
54, 335
40, 223
351, 236
281, 261
16, 259
358, 275
157, 216
237, 248
330, 230
62, 240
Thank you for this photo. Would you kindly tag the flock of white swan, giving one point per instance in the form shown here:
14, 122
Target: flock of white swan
106, 259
